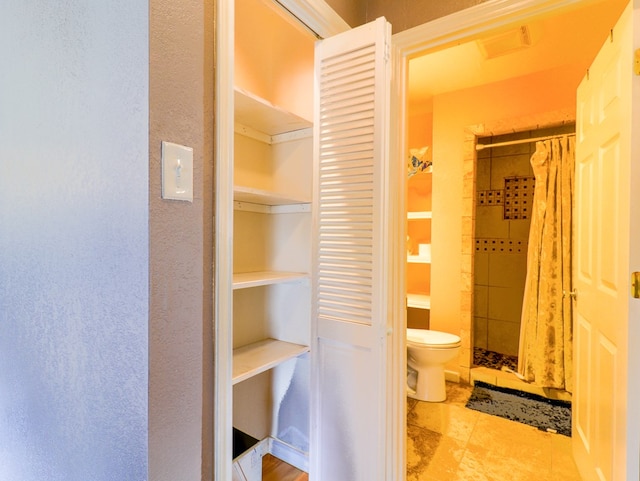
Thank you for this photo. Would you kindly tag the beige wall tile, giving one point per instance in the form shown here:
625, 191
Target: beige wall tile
465, 281
480, 331
468, 207
481, 268
503, 337
505, 303
469, 150
466, 302
483, 174
519, 229
481, 301
490, 223
467, 227
501, 167
508, 270
468, 246
465, 358
468, 189
465, 336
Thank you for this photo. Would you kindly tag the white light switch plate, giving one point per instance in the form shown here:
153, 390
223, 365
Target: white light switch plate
177, 172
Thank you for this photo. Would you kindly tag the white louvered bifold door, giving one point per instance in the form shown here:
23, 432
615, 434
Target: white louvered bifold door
350, 273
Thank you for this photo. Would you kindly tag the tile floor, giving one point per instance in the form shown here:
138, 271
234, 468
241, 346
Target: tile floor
448, 442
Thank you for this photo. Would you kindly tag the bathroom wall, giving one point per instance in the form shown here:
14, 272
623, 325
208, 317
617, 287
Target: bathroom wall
419, 188
530, 99
504, 198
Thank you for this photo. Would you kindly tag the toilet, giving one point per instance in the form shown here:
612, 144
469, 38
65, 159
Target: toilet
427, 353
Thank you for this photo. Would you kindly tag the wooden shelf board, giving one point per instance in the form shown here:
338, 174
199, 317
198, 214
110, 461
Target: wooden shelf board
419, 259
263, 116
418, 301
246, 280
264, 197
261, 356
419, 215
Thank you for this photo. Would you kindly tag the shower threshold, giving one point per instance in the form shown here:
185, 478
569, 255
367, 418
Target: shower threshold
495, 376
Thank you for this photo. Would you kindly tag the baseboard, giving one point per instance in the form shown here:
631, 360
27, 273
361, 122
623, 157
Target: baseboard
452, 376
248, 466
289, 454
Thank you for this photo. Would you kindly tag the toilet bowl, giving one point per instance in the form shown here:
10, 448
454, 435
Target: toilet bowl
427, 353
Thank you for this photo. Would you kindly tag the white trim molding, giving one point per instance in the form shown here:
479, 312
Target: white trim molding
223, 243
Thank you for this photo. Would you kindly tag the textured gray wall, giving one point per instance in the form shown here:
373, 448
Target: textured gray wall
73, 240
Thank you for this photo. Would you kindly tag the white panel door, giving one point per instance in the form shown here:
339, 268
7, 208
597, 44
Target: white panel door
605, 419
352, 257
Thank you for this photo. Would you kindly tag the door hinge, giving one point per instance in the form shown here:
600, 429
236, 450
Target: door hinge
636, 62
387, 51
635, 285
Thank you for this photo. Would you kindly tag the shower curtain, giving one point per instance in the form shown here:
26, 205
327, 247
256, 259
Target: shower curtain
546, 332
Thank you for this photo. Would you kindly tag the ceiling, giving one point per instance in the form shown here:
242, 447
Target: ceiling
572, 37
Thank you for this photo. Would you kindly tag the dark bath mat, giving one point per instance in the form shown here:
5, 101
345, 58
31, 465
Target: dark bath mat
545, 414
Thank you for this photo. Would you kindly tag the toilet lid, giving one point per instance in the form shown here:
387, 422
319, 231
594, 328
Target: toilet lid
432, 338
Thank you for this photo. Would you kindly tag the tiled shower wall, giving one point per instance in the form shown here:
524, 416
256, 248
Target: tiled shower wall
504, 195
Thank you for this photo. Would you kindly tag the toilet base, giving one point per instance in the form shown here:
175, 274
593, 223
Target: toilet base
430, 386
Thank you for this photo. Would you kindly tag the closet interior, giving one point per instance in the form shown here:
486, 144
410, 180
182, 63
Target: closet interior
272, 165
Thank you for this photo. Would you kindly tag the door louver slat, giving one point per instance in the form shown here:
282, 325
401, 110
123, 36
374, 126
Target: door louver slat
345, 175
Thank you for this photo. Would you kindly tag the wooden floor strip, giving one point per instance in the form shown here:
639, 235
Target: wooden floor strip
274, 469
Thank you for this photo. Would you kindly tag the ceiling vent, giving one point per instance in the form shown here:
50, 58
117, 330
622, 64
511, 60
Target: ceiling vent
505, 42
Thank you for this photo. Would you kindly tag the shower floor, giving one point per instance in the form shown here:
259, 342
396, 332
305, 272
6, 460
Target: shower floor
494, 360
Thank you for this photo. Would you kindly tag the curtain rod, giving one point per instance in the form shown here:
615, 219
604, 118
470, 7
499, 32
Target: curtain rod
521, 141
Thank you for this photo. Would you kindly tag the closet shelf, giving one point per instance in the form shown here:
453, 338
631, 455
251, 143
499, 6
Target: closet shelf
419, 301
419, 259
261, 356
249, 195
419, 215
261, 115
246, 280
